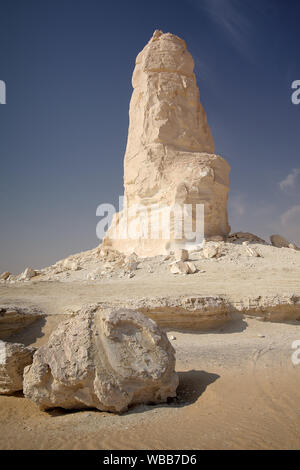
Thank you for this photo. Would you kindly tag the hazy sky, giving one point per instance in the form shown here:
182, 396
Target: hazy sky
67, 65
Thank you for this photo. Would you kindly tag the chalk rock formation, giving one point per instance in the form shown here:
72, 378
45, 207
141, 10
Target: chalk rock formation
169, 159
14, 357
13, 319
28, 274
103, 359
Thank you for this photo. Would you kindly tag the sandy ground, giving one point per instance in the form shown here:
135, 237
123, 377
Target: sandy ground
238, 390
238, 386
234, 275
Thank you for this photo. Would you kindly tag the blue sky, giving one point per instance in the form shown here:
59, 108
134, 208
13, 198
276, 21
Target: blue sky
67, 65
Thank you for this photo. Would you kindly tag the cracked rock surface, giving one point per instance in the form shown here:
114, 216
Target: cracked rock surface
105, 359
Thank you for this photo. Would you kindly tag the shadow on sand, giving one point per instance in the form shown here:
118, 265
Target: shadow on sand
192, 384
236, 324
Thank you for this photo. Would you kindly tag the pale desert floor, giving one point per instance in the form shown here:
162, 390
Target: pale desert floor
238, 390
238, 386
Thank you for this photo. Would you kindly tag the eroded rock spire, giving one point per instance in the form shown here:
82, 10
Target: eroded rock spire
169, 158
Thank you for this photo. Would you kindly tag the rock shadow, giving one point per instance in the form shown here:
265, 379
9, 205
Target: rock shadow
29, 334
236, 324
192, 384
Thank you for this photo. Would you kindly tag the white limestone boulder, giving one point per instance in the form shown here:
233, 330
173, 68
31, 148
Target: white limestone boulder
14, 357
104, 359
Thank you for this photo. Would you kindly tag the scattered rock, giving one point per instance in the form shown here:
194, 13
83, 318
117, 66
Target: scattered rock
179, 267
111, 255
28, 274
192, 267
252, 252
279, 242
181, 255
14, 357
104, 359
210, 251
293, 246
4, 276
131, 266
70, 264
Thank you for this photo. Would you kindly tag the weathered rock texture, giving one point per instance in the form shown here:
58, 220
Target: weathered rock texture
14, 319
169, 158
14, 358
103, 359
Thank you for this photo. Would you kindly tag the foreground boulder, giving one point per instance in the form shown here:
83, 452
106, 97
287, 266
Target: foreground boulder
109, 360
14, 357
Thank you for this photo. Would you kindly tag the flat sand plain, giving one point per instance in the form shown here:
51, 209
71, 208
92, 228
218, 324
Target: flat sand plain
239, 388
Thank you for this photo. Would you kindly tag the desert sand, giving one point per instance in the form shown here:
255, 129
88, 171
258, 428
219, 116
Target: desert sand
238, 386
238, 389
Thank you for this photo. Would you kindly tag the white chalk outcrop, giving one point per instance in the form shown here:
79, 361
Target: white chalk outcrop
169, 159
13, 319
105, 359
14, 357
